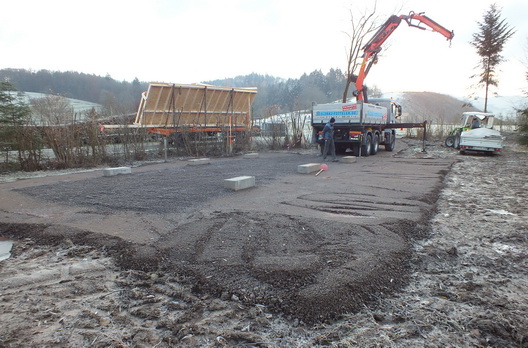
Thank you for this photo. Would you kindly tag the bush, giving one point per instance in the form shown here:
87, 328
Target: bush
523, 127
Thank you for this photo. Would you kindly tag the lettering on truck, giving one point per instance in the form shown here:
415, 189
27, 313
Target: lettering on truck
337, 114
348, 112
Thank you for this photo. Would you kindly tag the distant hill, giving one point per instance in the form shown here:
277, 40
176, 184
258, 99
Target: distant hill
502, 106
430, 106
79, 106
444, 108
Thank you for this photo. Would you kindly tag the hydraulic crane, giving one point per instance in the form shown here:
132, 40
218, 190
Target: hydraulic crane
373, 47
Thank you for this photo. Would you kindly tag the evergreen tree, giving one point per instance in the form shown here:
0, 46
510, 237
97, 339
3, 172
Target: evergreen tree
14, 135
489, 42
12, 111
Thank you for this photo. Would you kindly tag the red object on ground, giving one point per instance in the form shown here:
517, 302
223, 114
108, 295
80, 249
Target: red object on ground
322, 168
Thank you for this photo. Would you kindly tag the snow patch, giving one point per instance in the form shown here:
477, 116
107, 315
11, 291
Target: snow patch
501, 212
504, 248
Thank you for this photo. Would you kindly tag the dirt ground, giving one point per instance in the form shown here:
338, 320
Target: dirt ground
402, 249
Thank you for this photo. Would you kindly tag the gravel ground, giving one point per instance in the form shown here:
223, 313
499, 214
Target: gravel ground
458, 263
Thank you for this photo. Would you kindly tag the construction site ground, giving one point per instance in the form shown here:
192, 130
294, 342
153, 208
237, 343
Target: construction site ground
401, 249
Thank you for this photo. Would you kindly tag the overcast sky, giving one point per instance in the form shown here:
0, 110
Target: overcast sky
189, 41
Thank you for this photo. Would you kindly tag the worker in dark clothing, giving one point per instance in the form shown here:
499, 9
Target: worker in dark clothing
328, 136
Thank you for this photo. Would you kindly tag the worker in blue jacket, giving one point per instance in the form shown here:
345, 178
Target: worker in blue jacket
328, 136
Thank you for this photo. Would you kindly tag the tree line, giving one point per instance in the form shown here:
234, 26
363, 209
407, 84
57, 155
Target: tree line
275, 95
115, 97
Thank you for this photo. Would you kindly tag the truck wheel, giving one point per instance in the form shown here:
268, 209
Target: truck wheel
450, 141
367, 148
375, 145
390, 146
355, 150
456, 141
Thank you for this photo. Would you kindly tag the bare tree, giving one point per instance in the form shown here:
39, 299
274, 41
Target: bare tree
59, 132
375, 92
361, 29
53, 110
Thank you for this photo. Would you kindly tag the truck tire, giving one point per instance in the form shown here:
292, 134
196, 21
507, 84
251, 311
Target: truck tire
390, 146
450, 141
375, 145
355, 150
456, 142
367, 148
453, 140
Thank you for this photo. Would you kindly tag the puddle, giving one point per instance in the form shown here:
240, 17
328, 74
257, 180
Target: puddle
5, 248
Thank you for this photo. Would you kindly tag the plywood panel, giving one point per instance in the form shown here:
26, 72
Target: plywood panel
172, 105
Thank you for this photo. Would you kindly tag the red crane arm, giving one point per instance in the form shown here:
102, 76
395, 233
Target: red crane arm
373, 47
429, 22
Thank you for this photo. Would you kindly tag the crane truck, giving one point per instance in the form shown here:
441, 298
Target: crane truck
365, 124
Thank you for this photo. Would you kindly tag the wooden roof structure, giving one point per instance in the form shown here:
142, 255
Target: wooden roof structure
168, 105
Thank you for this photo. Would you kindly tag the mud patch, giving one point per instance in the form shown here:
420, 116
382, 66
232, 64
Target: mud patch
310, 269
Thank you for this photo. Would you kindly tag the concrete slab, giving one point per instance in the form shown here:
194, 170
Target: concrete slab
199, 161
251, 155
240, 182
116, 171
349, 159
308, 168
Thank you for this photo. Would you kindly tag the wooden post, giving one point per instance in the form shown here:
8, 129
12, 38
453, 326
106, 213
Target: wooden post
165, 147
424, 134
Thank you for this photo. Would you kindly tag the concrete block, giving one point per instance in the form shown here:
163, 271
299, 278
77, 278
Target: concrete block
251, 155
239, 183
308, 168
349, 159
199, 161
116, 171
